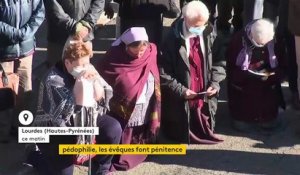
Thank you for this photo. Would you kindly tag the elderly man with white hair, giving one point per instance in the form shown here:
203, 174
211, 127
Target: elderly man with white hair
190, 75
254, 71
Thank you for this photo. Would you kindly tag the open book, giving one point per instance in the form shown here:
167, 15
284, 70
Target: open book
262, 73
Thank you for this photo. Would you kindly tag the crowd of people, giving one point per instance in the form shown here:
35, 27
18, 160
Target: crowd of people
146, 87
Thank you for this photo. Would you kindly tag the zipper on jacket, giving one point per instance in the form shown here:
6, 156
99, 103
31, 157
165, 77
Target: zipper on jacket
18, 11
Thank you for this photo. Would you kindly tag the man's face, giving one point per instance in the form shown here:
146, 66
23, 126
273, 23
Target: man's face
198, 24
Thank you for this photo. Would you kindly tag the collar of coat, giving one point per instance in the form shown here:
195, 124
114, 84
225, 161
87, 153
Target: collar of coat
183, 50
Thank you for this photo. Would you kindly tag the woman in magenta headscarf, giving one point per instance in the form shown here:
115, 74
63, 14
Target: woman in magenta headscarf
130, 67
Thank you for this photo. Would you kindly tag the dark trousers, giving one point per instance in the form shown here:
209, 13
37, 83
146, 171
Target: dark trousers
292, 63
211, 4
271, 10
283, 35
224, 15
253, 9
48, 162
256, 9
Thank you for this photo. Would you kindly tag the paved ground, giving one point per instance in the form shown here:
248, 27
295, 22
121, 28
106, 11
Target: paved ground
258, 152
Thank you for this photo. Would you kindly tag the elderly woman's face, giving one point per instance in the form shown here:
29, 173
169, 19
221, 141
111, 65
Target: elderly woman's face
259, 42
138, 51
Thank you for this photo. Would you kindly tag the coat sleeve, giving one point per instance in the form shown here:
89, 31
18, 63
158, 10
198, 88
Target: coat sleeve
167, 73
56, 14
94, 12
14, 35
56, 103
172, 11
9, 33
36, 19
235, 75
218, 72
168, 8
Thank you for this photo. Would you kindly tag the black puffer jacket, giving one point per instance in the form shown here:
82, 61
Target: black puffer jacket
63, 15
19, 21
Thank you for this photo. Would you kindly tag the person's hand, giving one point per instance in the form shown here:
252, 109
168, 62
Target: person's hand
76, 38
81, 31
189, 94
211, 91
78, 92
90, 73
109, 11
98, 91
78, 89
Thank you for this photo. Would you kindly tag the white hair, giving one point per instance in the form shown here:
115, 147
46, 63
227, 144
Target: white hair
195, 9
262, 31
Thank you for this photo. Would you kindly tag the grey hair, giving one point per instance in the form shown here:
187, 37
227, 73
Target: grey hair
195, 9
262, 30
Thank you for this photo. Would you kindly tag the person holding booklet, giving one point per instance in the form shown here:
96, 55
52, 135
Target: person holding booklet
191, 70
254, 70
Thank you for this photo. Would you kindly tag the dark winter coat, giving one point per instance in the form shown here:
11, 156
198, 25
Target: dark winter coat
63, 15
19, 21
175, 79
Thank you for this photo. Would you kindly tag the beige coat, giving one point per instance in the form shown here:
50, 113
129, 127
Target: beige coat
294, 17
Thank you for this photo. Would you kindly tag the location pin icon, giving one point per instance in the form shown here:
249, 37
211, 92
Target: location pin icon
25, 116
